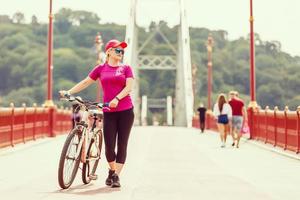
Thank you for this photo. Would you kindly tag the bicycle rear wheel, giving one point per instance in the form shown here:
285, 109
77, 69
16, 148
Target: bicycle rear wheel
68, 164
93, 156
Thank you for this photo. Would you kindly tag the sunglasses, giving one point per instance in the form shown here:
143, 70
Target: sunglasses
119, 51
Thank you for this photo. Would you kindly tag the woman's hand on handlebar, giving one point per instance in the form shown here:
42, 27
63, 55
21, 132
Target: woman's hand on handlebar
64, 93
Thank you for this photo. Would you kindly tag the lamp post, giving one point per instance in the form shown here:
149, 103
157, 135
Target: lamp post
209, 46
252, 60
49, 102
253, 104
98, 44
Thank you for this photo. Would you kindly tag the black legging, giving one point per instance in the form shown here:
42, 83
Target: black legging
116, 127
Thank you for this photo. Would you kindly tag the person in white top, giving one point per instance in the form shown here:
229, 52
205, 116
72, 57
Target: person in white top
223, 114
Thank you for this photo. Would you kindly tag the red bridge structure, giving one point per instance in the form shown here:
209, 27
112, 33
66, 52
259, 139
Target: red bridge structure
276, 127
19, 125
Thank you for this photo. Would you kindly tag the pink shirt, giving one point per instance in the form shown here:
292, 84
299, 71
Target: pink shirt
113, 81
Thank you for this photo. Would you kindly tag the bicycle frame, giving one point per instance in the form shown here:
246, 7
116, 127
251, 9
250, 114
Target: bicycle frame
86, 136
82, 144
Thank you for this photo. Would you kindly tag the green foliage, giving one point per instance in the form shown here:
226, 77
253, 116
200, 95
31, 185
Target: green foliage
23, 60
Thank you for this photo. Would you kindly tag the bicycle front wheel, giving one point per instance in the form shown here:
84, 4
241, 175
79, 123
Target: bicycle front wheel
93, 156
69, 163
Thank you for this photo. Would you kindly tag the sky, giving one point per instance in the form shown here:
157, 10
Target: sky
273, 19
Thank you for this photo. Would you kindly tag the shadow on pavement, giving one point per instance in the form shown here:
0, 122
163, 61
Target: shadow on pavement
84, 190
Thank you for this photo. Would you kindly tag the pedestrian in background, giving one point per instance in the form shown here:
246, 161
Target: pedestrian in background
239, 115
231, 95
202, 111
223, 113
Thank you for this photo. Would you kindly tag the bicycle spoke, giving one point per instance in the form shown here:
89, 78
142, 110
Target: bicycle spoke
70, 159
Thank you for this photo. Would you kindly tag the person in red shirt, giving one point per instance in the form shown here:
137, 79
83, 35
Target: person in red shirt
239, 114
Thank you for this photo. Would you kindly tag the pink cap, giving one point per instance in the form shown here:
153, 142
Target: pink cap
115, 43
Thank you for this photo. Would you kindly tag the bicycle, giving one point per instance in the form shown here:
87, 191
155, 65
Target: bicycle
74, 150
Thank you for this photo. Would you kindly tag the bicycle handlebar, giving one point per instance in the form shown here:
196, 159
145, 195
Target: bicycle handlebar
87, 104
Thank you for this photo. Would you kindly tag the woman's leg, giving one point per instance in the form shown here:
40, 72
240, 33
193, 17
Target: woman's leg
221, 131
238, 140
125, 123
110, 134
226, 130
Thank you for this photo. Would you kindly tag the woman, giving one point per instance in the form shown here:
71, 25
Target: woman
223, 113
117, 82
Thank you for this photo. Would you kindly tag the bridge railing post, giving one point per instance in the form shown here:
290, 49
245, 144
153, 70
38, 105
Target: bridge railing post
52, 120
12, 122
250, 121
275, 125
34, 122
298, 130
286, 109
266, 124
24, 121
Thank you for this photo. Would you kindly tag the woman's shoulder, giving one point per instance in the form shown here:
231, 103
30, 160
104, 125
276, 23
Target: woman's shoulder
99, 66
227, 105
216, 106
125, 66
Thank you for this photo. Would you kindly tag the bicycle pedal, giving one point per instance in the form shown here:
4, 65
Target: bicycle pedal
93, 176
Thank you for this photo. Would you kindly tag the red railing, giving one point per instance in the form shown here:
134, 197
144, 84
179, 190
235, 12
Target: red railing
275, 127
279, 128
19, 125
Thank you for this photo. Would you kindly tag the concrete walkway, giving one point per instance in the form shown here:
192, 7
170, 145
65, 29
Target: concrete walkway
163, 163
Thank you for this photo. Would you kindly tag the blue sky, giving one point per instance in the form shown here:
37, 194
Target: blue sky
274, 20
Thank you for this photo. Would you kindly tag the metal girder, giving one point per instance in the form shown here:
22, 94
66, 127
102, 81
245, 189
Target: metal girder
184, 100
131, 56
157, 30
157, 103
152, 62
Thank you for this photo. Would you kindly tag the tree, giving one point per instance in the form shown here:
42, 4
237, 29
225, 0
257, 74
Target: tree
84, 17
271, 95
63, 20
4, 19
34, 20
18, 18
23, 60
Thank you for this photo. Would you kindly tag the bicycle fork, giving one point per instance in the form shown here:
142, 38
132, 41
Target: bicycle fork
82, 146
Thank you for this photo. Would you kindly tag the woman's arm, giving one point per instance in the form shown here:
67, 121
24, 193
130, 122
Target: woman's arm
229, 110
79, 86
244, 110
127, 89
216, 111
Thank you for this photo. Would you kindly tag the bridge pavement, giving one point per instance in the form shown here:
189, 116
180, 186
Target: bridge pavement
163, 163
